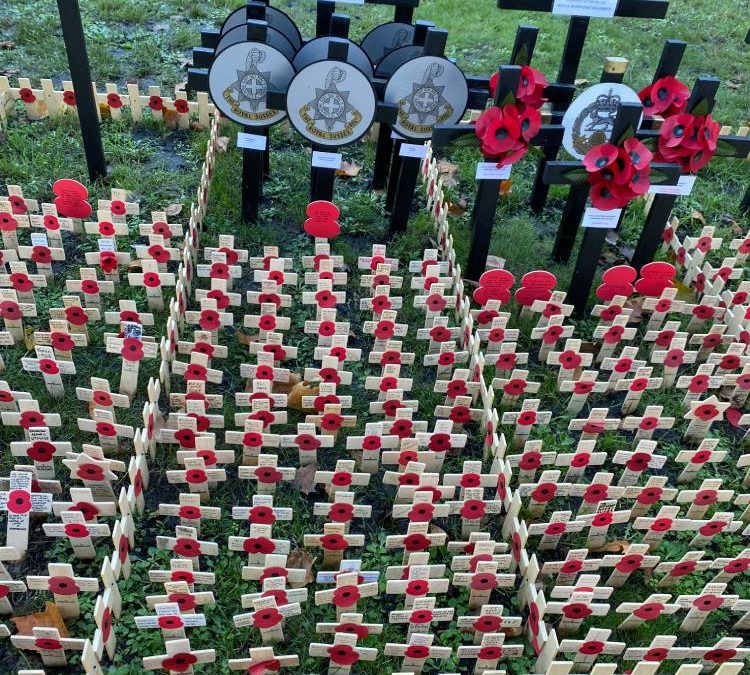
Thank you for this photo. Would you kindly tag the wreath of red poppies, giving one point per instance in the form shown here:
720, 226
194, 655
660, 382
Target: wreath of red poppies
505, 131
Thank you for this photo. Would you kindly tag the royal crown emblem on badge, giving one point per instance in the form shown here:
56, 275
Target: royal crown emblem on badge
595, 123
425, 106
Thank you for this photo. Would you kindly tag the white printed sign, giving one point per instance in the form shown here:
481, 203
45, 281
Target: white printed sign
603, 9
251, 141
683, 188
490, 171
413, 150
326, 160
601, 219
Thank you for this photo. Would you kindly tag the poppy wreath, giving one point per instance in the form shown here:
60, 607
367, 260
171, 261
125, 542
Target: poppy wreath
618, 173
505, 131
688, 139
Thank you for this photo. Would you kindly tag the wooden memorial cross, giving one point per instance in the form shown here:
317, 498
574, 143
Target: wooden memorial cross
182, 569
339, 350
180, 657
527, 417
417, 583
578, 461
10, 221
198, 477
189, 511
307, 441
599, 522
388, 379
691, 562
438, 443
342, 654
267, 320
662, 337
219, 292
78, 532
634, 557
567, 571
83, 500
128, 314
435, 333
219, 269
263, 660
709, 341
262, 511
417, 651
473, 508
185, 544
109, 259
325, 327
653, 607
514, 386
552, 532
488, 652
460, 412
421, 615
661, 306
694, 460
170, 620
595, 424
156, 251
483, 581
23, 283
644, 426
90, 287
160, 225
656, 528
277, 273
734, 358
497, 330
417, 538
461, 384
653, 492
152, 279
265, 369
334, 541
109, 433
699, 383
51, 367
729, 568
19, 502
543, 491
612, 336
267, 474
7, 584
341, 478
42, 254
489, 620
107, 227
708, 309
700, 606
49, 645
197, 369
367, 448
95, 471
660, 649
343, 510
671, 358
179, 592
41, 450
448, 356
9, 398
13, 313
133, 349
550, 334
702, 415
581, 388
637, 462
273, 566
202, 343
569, 360
119, 205
268, 618
621, 365
100, 396
725, 650
259, 544
702, 499
349, 590
65, 586
587, 650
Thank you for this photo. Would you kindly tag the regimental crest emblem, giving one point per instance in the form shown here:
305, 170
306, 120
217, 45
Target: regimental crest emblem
593, 126
250, 88
425, 106
400, 38
330, 115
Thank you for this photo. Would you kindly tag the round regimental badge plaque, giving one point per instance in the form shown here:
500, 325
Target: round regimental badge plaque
239, 80
275, 18
331, 103
428, 90
382, 40
589, 119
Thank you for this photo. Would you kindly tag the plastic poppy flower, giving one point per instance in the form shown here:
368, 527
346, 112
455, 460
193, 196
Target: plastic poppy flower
674, 358
274, 573
600, 157
155, 102
417, 588
268, 475
498, 130
488, 623
737, 566
416, 542
48, 644
189, 548
580, 460
527, 418
189, 512
41, 451
446, 359
421, 513
555, 529
440, 334
307, 442
26, 95
417, 652
384, 330
675, 130
439, 442
92, 472
181, 106
114, 100
48, 367
76, 531
401, 428
258, 546
583, 387
21, 282
170, 622
62, 586
460, 414
629, 563
595, 493
712, 528
530, 121
638, 461
185, 601
89, 287
69, 98
331, 421
729, 362
341, 513
388, 383
661, 525
544, 492
649, 611
41, 255
196, 476
607, 196
380, 303
650, 495
706, 497
267, 618
591, 648
19, 502
179, 663
32, 418
603, 519
343, 655
483, 581
666, 97
706, 412
209, 320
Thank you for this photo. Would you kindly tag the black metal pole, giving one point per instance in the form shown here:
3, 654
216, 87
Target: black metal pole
393, 173
570, 221
383, 151
80, 74
406, 182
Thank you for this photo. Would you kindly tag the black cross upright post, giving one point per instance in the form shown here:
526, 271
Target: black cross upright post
408, 171
403, 12
384, 147
571, 58
575, 205
701, 103
80, 74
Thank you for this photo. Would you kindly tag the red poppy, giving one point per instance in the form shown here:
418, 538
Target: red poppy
729, 362
666, 97
48, 644
41, 255
460, 414
595, 493
555, 529
170, 622
439, 334
19, 502
89, 287
41, 451
623, 365
190, 548
569, 360
258, 546
106, 429
591, 648
49, 367
706, 412
92, 472
21, 282
401, 428
417, 652
384, 330
76, 531
416, 542
649, 611
417, 588
179, 663
629, 563
544, 492
661, 525
196, 476
707, 603
526, 418
656, 654
483, 581
181, 106
638, 461
69, 98
209, 320
505, 362
603, 519
719, 655
343, 655
446, 359
421, 513
268, 475
267, 618
26, 95
712, 528
583, 387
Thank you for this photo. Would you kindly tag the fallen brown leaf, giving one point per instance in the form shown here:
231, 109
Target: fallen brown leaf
348, 170
135, 265
506, 187
286, 387
49, 618
697, 215
170, 117
195, 125
173, 209
301, 559
28, 337
245, 339
222, 143
457, 208
304, 479
299, 390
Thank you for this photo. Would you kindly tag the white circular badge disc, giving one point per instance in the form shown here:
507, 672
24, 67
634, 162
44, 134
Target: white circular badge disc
274, 38
331, 103
275, 18
239, 80
428, 90
317, 50
383, 39
589, 119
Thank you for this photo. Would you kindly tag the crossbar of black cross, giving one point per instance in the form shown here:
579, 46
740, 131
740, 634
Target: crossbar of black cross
403, 12
485, 203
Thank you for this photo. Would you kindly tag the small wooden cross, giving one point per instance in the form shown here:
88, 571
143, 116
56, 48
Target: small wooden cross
65, 586
700, 606
185, 544
103, 425
170, 620
96, 472
51, 368
652, 420
342, 654
642, 381
417, 651
347, 593
587, 650
488, 652
23, 283
180, 657
581, 388
182, 569
90, 287
343, 510
48, 644
653, 607
267, 474
19, 502
132, 350
691, 562
118, 205
621, 365
702, 415
482, 582
595, 424
7, 584
642, 459
268, 618
421, 615
263, 660
671, 358
417, 538
160, 225
341, 478
334, 541
578, 461
189, 511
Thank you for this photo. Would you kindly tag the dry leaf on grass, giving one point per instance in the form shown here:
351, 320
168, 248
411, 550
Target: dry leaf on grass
301, 559
457, 208
348, 170
173, 210
304, 479
222, 143
245, 339
697, 215
135, 265
506, 187
49, 618
286, 387
294, 399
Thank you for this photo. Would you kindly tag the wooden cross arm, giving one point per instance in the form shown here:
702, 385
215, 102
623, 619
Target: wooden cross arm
642, 9
554, 172
443, 134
